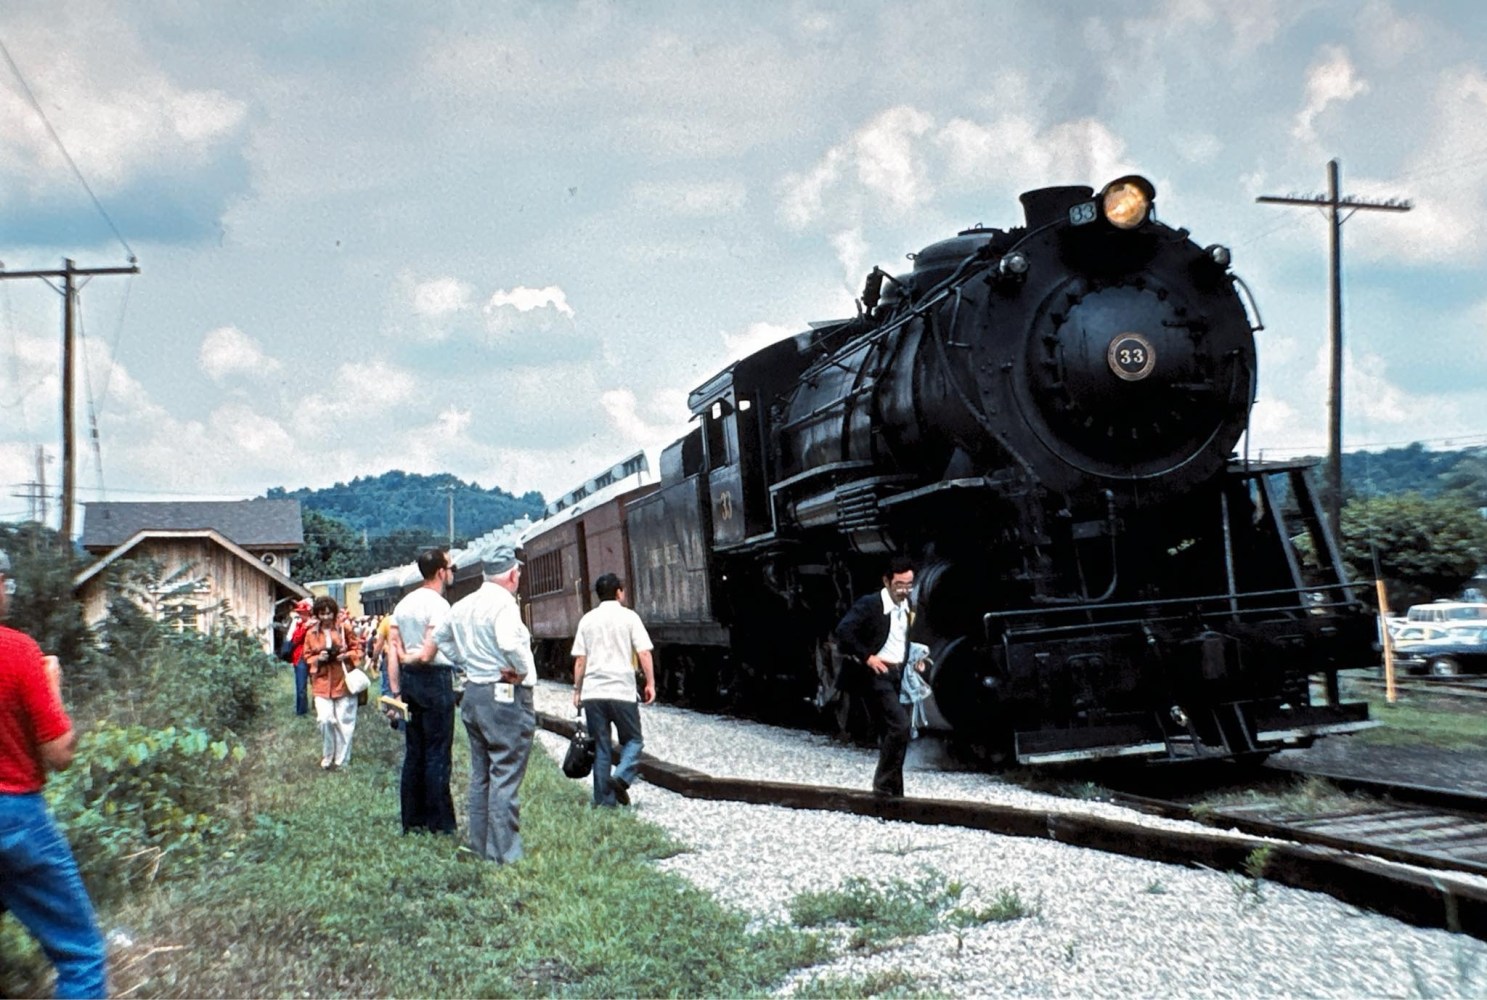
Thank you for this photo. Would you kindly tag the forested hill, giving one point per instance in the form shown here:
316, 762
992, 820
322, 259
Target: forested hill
402, 502
1414, 469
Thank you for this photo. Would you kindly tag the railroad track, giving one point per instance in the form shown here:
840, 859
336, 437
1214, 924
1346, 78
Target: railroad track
1467, 688
1435, 828
1353, 874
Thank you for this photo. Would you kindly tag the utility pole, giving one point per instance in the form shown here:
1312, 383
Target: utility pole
1334, 204
69, 275
35, 495
448, 490
41, 483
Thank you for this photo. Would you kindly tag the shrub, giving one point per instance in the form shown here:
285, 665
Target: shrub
137, 800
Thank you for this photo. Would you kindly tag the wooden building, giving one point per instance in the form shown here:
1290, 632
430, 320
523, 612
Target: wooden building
214, 559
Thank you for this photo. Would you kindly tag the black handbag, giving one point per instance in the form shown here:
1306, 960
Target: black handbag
578, 762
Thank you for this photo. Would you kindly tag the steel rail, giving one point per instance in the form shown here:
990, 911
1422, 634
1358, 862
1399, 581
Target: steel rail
1415, 897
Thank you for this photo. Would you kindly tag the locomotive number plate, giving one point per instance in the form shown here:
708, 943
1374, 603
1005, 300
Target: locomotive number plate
1130, 356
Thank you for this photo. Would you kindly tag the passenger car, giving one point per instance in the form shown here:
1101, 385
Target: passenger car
1463, 651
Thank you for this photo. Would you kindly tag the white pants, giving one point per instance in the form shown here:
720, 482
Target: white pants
337, 719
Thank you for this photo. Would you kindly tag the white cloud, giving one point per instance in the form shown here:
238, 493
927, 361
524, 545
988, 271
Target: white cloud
803, 196
1446, 180
118, 114
660, 423
1329, 80
441, 296
527, 308
454, 421
902, 162
756, 336
251, 431
229, 351
885, 160
852, 251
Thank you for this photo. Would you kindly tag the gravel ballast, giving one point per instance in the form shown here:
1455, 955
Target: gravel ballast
1102, 925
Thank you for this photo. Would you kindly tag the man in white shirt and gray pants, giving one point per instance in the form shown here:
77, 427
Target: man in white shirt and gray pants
610, 640
484, 634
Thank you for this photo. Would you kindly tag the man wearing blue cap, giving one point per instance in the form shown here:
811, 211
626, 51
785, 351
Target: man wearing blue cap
39, 881
485, 635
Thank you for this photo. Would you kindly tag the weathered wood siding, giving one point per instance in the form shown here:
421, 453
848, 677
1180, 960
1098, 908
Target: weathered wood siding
249, 594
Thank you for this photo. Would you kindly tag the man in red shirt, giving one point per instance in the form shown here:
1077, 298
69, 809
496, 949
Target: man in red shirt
39, 881
297, 632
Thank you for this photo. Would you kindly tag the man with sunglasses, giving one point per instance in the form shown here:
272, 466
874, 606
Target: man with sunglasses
39, 881
423, 677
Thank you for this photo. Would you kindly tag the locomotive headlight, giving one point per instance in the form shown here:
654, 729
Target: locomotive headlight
1127, 202
1013, 265
1220, 255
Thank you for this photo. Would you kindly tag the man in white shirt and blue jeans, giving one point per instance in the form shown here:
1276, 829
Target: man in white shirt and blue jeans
610, 640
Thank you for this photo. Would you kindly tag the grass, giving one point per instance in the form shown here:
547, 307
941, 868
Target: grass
1308, 797
888, 983
1427, 722
322, 896
878, 913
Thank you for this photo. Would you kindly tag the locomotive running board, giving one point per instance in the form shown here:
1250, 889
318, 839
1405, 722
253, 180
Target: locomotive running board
1035, 747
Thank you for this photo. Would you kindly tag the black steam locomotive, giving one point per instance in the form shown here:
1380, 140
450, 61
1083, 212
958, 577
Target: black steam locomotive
1044, 418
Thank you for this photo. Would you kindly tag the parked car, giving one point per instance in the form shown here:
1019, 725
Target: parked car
1463, 651
1413, 633
1447, 611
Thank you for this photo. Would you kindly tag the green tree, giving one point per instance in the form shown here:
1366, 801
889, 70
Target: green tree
44, 606
1427, 547
332, 550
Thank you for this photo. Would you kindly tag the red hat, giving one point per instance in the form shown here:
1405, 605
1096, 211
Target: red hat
304, 606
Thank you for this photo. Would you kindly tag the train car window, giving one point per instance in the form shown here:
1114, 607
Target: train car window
717, 438
544, 574
692, 453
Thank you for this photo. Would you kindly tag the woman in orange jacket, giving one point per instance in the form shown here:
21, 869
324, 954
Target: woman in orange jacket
331, 649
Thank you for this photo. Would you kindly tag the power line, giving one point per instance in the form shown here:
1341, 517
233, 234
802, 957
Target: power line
1334, 203
65, 154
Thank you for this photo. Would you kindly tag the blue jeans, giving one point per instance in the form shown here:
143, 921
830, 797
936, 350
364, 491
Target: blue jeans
301, 683
40, 884
428, 750
626, 718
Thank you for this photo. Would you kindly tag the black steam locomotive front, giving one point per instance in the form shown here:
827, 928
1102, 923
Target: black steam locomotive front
1087, 356
1045, 416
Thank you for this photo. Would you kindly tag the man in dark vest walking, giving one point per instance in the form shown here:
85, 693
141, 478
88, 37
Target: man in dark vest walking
874, 636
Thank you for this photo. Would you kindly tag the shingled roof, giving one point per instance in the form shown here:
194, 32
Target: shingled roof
252, 524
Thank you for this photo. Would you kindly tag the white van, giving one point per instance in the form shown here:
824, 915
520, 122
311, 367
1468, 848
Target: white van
1447, 611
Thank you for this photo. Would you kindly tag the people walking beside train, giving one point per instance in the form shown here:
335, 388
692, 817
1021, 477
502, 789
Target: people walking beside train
332, 648
379, 661
297, 629
423, 677
609, 641
486, 637
39, 880
875, 634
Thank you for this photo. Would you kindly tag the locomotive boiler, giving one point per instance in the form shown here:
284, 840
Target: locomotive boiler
1044, 417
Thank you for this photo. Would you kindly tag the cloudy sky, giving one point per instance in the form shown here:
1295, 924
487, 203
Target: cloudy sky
504, 240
